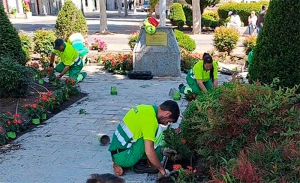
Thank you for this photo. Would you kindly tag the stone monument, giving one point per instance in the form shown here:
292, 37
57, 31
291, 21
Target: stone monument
158, 53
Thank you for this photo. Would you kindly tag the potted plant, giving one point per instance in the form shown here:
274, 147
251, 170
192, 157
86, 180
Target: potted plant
13, 13
11, 124
33, 111
28, 13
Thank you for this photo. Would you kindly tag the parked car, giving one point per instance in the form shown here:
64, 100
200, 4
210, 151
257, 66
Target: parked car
145, 6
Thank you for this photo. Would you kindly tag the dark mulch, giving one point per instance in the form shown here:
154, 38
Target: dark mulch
14, 104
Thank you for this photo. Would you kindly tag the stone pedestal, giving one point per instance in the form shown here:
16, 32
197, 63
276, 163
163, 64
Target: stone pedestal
158, 53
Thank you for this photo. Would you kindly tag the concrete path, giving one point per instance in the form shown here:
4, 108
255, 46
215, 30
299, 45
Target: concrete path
66, 149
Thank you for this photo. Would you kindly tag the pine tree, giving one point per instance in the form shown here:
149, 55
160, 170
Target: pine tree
276, 54
70, 20
10, 43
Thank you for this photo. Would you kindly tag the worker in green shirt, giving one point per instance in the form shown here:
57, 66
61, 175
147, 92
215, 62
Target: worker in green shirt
70, 60
139, 137
202, 77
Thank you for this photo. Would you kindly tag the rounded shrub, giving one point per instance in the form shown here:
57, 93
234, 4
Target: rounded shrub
276, 53
70, 20
43, 42
14, 78
176, 15
188, 12
27, 44
133, 39
225, 39
185, 41
210, 19
243, 9
249, 43
10, 42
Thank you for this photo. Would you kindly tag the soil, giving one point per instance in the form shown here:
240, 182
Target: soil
35, 90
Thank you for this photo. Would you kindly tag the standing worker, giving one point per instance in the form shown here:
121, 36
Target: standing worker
70, 60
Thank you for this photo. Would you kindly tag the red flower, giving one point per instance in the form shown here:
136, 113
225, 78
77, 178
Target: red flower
53, 98
1, 129
183, 141
190, 167
49, 94
25, 106
177, 166
8, 123
16, 115
34, 106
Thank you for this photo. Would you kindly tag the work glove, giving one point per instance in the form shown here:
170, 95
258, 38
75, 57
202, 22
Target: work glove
168, 152
159, 176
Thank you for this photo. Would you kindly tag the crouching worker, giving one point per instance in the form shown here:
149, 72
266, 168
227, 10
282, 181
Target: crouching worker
78, 42
70, 60
202, 77
137, 141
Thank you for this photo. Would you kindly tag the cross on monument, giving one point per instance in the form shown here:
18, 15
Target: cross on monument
162, 13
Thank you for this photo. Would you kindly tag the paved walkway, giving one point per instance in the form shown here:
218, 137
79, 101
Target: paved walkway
66, 149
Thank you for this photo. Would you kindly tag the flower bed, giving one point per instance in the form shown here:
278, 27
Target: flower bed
44, 101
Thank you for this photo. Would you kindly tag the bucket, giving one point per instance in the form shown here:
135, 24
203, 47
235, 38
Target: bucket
104, 139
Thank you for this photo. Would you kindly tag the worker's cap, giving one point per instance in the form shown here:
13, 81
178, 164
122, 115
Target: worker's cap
58, 43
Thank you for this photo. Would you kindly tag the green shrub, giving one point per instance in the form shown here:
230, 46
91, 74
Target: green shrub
189, 60
10, 41
243, 9
43, 42
185, 41
70, 20
225, 39
176, 15
233, 118
276, 53
188, 12
14, 78
133, 39
249, 43
205, 3
26, 42
210, 19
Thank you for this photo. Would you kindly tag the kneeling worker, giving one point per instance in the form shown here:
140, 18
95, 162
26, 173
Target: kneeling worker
139, 134
70, 60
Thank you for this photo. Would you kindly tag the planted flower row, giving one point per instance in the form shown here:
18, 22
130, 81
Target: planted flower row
118, 63
34, 112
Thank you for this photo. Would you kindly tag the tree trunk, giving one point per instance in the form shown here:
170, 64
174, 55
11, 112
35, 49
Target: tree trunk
119, 4
103, 17
125, 8
196, 17
134, 6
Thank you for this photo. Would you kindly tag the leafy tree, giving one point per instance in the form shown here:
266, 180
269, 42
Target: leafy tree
276, 54
69, 20
205, 3
10, 42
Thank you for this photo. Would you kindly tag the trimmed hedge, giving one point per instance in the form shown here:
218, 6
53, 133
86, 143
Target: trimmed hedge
210, 19
185, 41
188, 12
276, 54
11, 45
243, 10
70, 20
176, 15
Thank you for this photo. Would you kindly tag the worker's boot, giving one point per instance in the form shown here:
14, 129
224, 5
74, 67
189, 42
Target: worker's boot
143, 167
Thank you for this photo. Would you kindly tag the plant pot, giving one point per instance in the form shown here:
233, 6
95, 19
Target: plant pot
11, 135
113, 90
41, 81
36, 121
176, 95
44, 116
104, 139
28, 15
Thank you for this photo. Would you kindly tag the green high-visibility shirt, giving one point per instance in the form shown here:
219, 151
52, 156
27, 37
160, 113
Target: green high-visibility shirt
68, 56
199, 72
142, 122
